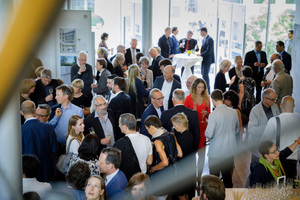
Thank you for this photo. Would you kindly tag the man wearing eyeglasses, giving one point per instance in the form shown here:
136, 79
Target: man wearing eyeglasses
43, 112
102, 121
155, 108
258, 118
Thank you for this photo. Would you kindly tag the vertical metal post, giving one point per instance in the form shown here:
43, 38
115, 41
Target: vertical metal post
267, 28
147, 25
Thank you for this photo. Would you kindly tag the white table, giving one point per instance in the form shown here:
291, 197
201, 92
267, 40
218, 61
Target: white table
183, 60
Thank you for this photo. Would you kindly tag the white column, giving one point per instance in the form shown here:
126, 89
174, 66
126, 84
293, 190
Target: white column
147, 26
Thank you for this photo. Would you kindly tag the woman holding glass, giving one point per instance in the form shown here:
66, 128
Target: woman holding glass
199, 100
269, 167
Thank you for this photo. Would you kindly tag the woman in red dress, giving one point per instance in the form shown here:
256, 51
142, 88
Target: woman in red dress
199, 100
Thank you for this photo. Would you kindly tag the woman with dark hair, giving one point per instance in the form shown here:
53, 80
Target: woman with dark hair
104, 38
31, 196
88, 152
95, 188
138, 187
269, 167
231, 99
246, 91
76, 178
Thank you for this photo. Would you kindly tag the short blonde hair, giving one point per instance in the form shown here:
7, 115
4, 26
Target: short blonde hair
224, 63
78, 83
26, 85
38, 71
180, 118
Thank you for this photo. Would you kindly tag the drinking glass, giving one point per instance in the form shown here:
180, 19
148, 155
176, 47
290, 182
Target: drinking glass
92, 131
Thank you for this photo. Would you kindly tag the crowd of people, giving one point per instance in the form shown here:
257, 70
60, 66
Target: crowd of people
133, 129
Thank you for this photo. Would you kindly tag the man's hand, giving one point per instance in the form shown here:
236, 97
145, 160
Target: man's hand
105, 141
81, 69
171, 56
262, 65
49, 97
58, 112
256, 64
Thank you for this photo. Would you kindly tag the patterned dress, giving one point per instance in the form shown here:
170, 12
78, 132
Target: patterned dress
92, 164
248, 101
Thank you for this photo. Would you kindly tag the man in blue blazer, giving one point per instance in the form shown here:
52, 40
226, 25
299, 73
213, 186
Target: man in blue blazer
192, 116
165, 44
115, 180
39, 139
155, 108
120, 103
208, 55
285, 56
167, 84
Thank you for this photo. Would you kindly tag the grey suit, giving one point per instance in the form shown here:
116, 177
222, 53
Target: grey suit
283, 85
101, 88
257, 123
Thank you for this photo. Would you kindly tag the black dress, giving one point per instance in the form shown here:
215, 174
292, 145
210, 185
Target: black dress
83, 101
119, 71
220, 82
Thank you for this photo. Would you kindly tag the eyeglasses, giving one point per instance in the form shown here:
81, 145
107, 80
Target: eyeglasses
161, 98
275, 151
38, 115
272, 99
100, 105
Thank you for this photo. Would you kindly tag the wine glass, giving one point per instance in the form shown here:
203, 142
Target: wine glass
92, 131
202, 110
51, 90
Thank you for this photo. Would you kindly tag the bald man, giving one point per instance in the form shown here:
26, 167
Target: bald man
155, 63
167, 84
189, 83
289, 132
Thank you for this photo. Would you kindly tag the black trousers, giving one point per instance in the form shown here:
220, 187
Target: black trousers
223, 165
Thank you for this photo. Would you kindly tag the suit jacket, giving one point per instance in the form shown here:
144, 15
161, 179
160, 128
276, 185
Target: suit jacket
102, 88
155, 66
192, 117
39, 95
150, 110
91, 121
128, 56
175, 45
119, 105
159, 83
39, 138
207, 51
86, 77
283, 85
163, 44
250, 59
116, 186
287, 60
192, 45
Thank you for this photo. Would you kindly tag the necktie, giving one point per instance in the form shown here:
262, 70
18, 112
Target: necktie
187, 45
133, 57
258, 59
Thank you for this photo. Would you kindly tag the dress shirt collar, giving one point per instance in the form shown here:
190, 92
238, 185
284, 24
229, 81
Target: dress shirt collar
118, 93
109, 177
31, 118
256, 51
179, 104
97, 116
68, 107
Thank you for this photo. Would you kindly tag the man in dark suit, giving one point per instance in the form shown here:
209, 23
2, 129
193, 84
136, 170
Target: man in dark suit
109, 162
45, 89
84, 72
285, 56
120, 103
130, 55
192, 116
167, 84
103, 53
102, 122
208, 55
155, 108
165, 44
39, 138
257, 60
155, 63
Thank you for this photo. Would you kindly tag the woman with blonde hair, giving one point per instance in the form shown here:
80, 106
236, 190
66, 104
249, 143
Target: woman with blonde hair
139, 187
146, 74
236, 71
220, 80
136, 90
38, 72
27, 88
74, 136
79, 99
118, 63
95, 188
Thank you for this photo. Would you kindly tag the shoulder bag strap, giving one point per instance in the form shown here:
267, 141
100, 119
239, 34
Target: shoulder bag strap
69, 144
278, 131
135, 158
